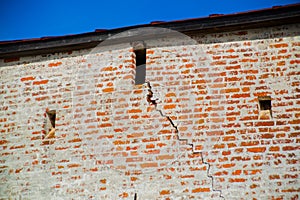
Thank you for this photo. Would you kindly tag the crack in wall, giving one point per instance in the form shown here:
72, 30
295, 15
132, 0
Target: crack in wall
153, 102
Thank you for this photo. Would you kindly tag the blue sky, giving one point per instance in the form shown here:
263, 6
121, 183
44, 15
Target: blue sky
23, 19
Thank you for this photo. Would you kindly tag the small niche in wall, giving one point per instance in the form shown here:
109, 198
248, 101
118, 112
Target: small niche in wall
52, 116
265, 107
50, 124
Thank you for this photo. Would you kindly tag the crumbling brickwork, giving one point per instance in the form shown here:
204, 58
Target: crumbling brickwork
194, 130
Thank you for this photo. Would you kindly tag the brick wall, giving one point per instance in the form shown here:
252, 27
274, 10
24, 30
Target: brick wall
195, 130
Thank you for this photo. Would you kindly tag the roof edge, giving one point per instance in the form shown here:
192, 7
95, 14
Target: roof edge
278, 15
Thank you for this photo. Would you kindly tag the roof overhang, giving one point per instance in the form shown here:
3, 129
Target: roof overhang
275, 16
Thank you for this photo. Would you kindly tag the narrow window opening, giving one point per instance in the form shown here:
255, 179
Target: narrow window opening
265, 107
135, 196
140, 62
51, 114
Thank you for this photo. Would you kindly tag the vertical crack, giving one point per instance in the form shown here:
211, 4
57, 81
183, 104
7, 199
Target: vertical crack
153, 102
210, 176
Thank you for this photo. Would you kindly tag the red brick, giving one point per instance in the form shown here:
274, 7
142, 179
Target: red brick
75, 140
198, 190
150, 146
249, 60
110, 89
169, 106
290, 148
219, 63
274, 148
256, 149
148, 165
237, 180
40, 82
267, 136
2, 142
135, 111
28, 78
274, 176
264, 123
250, 143
17, 147
228, 165
164, 192
280, 45
54, 64
149, 51
165, 157
73, 165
